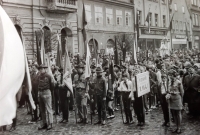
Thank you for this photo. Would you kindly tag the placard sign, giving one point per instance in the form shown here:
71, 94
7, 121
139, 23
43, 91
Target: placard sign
142, 84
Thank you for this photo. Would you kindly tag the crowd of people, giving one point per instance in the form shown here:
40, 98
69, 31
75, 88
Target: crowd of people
174, 85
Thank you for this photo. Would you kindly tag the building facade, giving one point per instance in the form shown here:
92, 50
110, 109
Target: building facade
55, 16
194, 7
181, 33
105, 20
150, 39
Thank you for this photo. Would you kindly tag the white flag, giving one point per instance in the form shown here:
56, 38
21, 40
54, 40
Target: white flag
12, 68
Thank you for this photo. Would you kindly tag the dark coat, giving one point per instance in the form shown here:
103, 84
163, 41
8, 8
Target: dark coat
153, 82
34, 81
191, 87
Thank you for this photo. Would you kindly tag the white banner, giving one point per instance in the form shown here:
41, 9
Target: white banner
142, 84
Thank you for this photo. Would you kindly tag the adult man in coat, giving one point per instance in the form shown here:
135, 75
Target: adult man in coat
192, 92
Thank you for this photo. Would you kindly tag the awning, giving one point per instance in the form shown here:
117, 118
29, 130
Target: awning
179, 41
152, 36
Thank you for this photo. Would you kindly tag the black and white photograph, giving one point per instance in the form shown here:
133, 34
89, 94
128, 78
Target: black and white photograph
99, 67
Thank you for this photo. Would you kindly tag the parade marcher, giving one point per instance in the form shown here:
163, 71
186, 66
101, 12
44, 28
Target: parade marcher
91, 90
100, 92
34, 81
118, 76
139, 108
153, 87
45, 86
64, 98
175, 97
80, 84
163, 92
57, 77
110, 91
126, 90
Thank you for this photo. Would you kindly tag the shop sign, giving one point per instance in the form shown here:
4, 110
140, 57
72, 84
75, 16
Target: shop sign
196, 37
152, 32
180, 37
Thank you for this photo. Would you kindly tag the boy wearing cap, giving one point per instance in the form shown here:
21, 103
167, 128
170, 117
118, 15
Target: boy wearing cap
100, 92
80, 85
126, 89
91, 91
118, 76
163, 92
45, 86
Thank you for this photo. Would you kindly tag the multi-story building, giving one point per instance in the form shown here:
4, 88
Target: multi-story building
194, 7
158, 22
181, 33
55, 16
105, 20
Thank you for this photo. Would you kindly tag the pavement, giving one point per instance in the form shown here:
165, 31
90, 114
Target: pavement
154, 120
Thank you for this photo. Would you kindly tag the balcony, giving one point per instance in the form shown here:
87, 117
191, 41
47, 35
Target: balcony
62, 6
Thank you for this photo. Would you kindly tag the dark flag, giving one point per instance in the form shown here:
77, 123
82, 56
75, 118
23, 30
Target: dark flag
111, 76
137, 26
186, 31
116, 52
59, 53
39, 62
95, 51
147, 20
170, 24
124, 48
190, 14
84, 22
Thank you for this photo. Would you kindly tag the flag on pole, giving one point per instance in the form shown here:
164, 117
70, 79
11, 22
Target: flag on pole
28, 83
87, 68
186, 31
39, 62
148, 20
190, 14
67, 79
84, 22
137, 26
170, 24
12, 68
116, 59
134, 55
59, 53
49, 68
95, 51
42, 49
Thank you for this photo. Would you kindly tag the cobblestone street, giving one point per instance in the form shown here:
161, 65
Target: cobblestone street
153, 126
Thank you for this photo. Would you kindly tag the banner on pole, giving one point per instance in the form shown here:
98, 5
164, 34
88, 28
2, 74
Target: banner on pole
142, 84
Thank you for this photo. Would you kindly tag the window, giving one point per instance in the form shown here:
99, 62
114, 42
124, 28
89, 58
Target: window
119, 17
109, 16
175, 7
183, 9
156, 19
88, 13
98, 15
196, 20
193, 19
184, 26
150, 19
128, 18
181, 25
176, 25
139, 16
164, 21
163, 1
195, 2
173, 24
